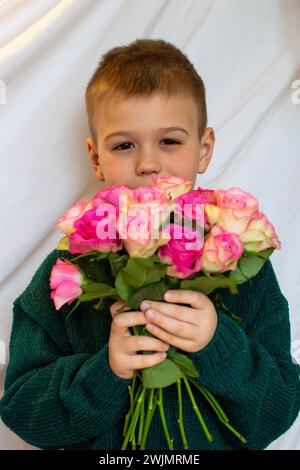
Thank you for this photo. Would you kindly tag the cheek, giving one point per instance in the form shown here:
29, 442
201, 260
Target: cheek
117, 171
184, 166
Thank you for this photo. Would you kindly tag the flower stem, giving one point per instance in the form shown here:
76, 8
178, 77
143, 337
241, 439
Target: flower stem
148, 419
132, 440
132, 390
196, 409
126, 422
219, 411
163, 419
180, 417
133, 419
131, 395
137, 395
215, 404
235, 432
135, 330
141, 420
212, 401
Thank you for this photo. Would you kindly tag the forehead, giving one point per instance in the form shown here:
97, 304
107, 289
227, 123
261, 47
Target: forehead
157, 110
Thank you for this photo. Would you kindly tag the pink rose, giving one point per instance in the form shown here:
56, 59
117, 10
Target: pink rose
66, 222
171, 185
208, 194
222, 251
140, 220
96, 230
191, 205
65, 282
182, 253
111, 195
260, 234
140, 226
145, 194
233, 211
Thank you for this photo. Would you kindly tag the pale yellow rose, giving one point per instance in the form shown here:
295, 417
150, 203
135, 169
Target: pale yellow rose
171, 185
260, 234
233, 209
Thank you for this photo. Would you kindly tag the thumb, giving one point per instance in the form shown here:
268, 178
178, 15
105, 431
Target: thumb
118, 307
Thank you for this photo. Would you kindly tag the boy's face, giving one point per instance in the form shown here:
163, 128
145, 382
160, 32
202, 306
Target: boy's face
148, 148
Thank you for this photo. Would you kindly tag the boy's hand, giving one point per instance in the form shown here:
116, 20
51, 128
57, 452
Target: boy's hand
123, 347
187, 328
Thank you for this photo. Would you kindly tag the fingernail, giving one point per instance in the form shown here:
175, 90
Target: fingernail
167, 295
166, 347
150, 314
163, 355
145, 305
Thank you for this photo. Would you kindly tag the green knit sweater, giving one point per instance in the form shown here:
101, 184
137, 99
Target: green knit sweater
61, 393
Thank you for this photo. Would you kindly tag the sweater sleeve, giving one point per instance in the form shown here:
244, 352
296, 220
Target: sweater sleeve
251, 372
52, 400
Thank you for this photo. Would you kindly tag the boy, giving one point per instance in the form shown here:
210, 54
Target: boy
67, 379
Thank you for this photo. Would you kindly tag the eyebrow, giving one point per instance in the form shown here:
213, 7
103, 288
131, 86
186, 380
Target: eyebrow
165, 129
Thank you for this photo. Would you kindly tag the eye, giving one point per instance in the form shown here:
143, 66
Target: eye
123, 143
171, 141
168, 141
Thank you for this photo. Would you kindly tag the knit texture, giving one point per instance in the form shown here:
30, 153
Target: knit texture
60, 391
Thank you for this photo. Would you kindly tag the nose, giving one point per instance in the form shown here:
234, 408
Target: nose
148, 164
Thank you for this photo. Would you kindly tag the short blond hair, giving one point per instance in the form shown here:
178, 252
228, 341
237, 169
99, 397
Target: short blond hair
141, 68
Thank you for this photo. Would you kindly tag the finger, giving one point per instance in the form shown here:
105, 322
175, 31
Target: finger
116, 306
170, 324
176, 341
145, 343
185, 344
178, 312
140, 361
194, 298
123, 321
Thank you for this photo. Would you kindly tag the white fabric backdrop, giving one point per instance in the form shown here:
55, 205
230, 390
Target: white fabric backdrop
248, 55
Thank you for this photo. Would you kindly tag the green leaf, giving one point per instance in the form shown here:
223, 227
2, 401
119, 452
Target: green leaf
124, 291
237, 276
162, 375
262, 254
90, 253
206, 284
88, 297
105, 302
171, 352
117, 262
247, 267
173, 282
96, 290
185, 364
96, 268
99, 288
237, 319
141, 271
218, 301
154, 291
98, 305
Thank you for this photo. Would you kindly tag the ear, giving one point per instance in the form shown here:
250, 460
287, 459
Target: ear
206, 149
94, 158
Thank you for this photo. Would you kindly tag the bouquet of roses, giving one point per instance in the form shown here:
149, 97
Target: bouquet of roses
135, 244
